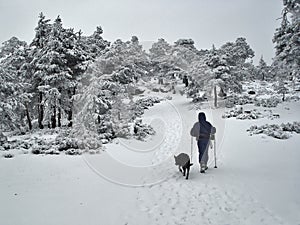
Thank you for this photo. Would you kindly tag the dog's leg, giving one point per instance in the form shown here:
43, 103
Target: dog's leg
188, 172
180, 170
184, 169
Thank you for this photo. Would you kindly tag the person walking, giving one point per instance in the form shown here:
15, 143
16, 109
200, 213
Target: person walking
202, 131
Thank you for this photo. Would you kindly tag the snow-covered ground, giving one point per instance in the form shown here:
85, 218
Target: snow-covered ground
134, 182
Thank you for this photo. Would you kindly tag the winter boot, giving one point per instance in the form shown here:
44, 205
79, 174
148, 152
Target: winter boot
202, 168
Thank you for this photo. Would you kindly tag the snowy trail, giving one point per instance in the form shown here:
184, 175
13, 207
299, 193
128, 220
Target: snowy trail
203, 203
213, 198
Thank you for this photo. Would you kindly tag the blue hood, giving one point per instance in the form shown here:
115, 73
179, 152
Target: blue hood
205, 127
201, 117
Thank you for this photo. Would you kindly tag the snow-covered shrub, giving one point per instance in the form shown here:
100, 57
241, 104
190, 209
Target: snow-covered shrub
233, 113
122, 131
282, 131
14, 144
234, 100
241, 114
82, 140
124, 75
73, 151
140, 105
103, 113
269, 102
105, 128
273, 115
165, 89
155, 89
65, 143
291, 127
52, 151
250, 114
8, 155
293, 98
6, 146
138, 91
3, 138
25, 145
169, 97
40, 147
141, 131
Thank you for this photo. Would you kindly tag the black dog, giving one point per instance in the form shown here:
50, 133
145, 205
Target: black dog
184, 163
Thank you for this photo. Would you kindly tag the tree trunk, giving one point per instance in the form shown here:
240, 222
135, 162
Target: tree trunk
59, 117
59, 113
216, 96
41, 111
70, 115
70, 112
28, 116
53, 118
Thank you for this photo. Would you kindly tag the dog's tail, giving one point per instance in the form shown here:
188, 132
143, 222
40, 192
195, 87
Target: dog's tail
191, 164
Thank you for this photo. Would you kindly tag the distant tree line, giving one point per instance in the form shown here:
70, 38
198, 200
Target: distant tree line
39, 81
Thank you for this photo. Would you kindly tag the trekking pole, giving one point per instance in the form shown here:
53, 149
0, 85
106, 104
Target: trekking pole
191, 149
215, 152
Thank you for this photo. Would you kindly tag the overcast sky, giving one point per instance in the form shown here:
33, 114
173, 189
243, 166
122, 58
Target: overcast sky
207, 22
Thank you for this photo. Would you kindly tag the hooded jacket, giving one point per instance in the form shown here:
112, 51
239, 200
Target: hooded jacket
202, 129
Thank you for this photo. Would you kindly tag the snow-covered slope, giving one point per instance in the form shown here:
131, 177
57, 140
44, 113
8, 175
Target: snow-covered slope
134, 182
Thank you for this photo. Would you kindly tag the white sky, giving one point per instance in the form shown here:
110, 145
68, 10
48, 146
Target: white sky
207, 22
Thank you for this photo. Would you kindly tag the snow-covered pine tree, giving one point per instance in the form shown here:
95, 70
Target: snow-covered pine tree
126, 61
13, 85
162, 62
281, 89
220, 73
287, 41
228, 63
53, 71
184, 53
200, 74
160, 49
8, 100
263, 70
237, 52
32, 69
10, 46
41, 31
94, 45
58, 58
168, 60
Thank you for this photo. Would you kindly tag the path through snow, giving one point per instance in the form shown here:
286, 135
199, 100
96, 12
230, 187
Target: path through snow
211, 198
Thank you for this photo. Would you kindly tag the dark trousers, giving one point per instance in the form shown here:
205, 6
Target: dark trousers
203, 150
